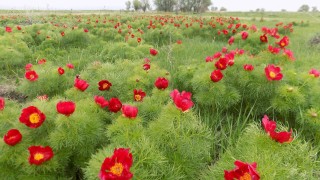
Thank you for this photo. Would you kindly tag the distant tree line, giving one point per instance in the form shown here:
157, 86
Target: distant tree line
306, 8
170, 5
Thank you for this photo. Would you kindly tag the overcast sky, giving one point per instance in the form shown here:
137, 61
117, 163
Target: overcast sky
231, 5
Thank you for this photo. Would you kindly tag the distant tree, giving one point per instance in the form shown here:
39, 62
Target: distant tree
304, 8
136, 5
223, 9
258, 10
314, 9
283, 10
262, 10
128, 5
165, 5
213, 8
145, 4
194, 5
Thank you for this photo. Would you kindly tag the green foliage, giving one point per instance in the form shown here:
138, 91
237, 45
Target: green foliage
289, 161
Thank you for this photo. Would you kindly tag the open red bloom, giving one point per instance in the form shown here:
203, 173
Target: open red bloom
2, 103
129, 111
273, 50
244, 35
209, 59
66, 107
289, 54
12, 137
182, 100
42, 61
138, 95
264, 38
146, 66
85, 30
117, 166
39, 154
242, 171
104, 85
153, 52
273, 73
248, 67
222, 63
179, 41
31, 75
62, 33
32, 117
8, 29
161, 83
60, 70
101, 101
217, 55
19, 28
283, 42
80, 84
70, 66
270, 127
114, 105
138, 40
312, 72
231, 40
216, 75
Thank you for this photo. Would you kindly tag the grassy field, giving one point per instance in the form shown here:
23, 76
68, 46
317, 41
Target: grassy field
222, 121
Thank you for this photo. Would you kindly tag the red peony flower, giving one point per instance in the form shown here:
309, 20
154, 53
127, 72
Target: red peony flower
216, 75
8, 29
182, 100
217, 55
231, 40
222, 63
19, 28
66, 107
129, 111
273, 73
31, 75
28, 67
60, 70
273, 50
248, 67
42, 61
117, 166
40, 154
138, 40
153, 52
224, 50
209, 59
242, 171
283, 42
80, 84
289, 54
2, 103
138, 95
12, 137
70, 66
161, 83
62, 34
244, 35
264, 38
146, 66
101, 101
179, 41
312, 72
270, 127
32, 117
85, 30
104, 85
114, 105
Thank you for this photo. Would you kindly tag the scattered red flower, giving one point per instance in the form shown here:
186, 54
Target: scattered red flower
85, 30
138, 40
312, 72
138, 95
153, 52
70, 66
222, 63
39, 154
161, 83
80, 84
8, 29
217, 55
114, 105
32, 117
42, 61
60, 70
12, 137
209, 59
182, 100
104, 85
273, 73
179, 41
242, 171
19, 28
62, 34
244, 35
231, 40
31, 75
283, 42
289, 54
264, 38
28, 67
216, 75
117, 166
146, 66
2, 103
248, 67
129, 111
270, 127
273, 50
101, 101
66, 107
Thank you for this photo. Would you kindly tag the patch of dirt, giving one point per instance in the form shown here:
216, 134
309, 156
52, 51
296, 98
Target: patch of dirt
9, 91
